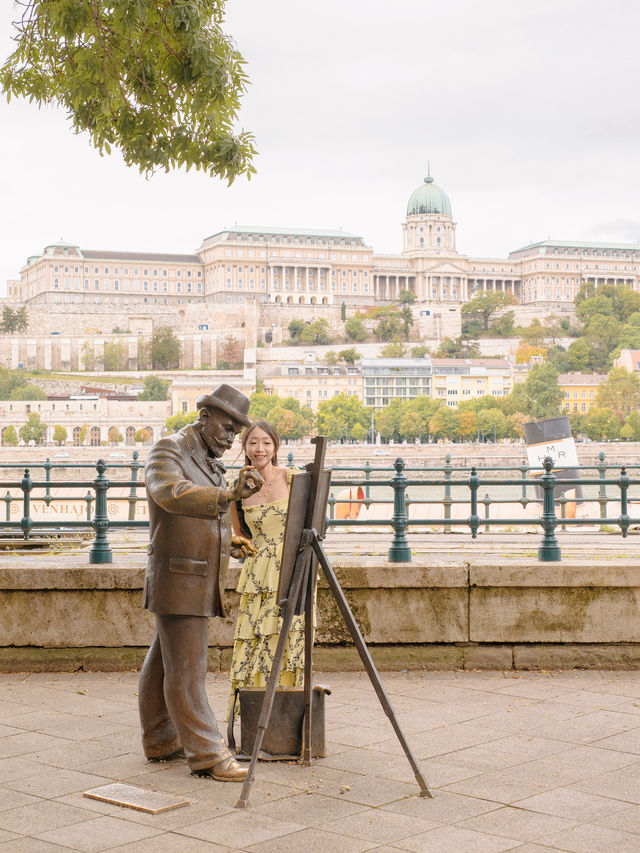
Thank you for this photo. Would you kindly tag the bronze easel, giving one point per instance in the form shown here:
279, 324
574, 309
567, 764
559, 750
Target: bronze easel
302, 552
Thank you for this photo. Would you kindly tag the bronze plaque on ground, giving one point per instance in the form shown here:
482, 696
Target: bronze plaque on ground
141, 799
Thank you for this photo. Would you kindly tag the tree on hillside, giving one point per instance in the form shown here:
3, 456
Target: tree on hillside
458, 348
21, 319
592, 306
420, 351
601, 336
535, 334
9, 321
27, 392
231, 354
10, 438
578, 354
355, 330
295, 328
630, 334
154, 388
115, 355
181, 419
559, 358
407, 297
394, 349
619, 392
389, 327
115, 436
9, 381
406, 315
483, 306
34, 430
349, 356
554, 328
164, 349
161, 82
142, 436
316, 333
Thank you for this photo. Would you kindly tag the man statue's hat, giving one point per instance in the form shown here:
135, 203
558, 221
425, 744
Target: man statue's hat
230, 400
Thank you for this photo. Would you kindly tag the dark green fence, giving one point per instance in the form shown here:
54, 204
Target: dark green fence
612, 489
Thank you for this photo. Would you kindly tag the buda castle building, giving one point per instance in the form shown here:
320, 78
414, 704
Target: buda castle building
264, 269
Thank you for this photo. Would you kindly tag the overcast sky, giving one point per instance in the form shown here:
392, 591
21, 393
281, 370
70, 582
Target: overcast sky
528, 113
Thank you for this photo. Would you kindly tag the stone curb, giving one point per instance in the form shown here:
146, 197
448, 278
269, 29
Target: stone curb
395, 658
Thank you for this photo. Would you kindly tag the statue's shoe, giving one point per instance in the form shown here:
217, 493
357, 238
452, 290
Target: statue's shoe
178, 753
227, 770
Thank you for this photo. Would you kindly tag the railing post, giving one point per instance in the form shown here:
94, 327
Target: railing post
367, 488
549, 550
332, 506
133, 496
474, 519
7, 500
399, 551
89, 500
101, 550
446, 501
486, 500
47, 476
524, 470
562, 500
623, 483
26, 485
601, 465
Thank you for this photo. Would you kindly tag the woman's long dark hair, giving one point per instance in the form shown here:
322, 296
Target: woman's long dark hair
275, 438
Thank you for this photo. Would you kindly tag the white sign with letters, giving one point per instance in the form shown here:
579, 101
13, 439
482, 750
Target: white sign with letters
561, 450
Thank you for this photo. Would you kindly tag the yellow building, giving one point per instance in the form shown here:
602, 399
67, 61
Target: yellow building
455, 380
310, 383
579, 391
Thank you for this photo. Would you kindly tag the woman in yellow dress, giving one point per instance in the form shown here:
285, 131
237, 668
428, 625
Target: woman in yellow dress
263, 517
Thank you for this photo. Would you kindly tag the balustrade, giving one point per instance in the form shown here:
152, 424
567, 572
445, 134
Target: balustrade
401, 481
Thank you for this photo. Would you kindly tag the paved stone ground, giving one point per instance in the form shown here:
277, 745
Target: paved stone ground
517, 761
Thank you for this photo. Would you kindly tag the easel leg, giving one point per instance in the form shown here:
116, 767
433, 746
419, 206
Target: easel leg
365, 656
308, 673
272, 683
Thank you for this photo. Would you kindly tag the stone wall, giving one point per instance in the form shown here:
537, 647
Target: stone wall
423, 615
72, 337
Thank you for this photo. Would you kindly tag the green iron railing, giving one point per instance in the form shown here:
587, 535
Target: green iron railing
97, 517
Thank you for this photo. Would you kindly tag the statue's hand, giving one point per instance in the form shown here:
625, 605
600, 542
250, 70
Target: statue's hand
242, 547
248, 483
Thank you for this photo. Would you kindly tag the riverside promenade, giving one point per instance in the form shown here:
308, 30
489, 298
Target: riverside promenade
530, 762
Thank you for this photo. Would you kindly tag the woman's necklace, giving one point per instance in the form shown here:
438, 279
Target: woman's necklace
265, 491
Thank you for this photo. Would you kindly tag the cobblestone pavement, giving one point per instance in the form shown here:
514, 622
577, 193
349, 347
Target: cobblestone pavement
517, 761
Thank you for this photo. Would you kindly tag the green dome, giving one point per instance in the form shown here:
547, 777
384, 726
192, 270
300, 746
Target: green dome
429, 198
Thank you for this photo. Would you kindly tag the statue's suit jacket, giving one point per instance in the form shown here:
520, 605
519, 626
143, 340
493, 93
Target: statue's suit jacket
189, 528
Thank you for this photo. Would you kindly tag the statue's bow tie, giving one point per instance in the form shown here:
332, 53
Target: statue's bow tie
216, 466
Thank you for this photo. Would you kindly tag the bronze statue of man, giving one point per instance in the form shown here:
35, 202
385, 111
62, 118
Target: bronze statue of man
190, 544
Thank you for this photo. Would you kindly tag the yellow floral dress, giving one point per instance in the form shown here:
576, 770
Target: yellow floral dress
259, 621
